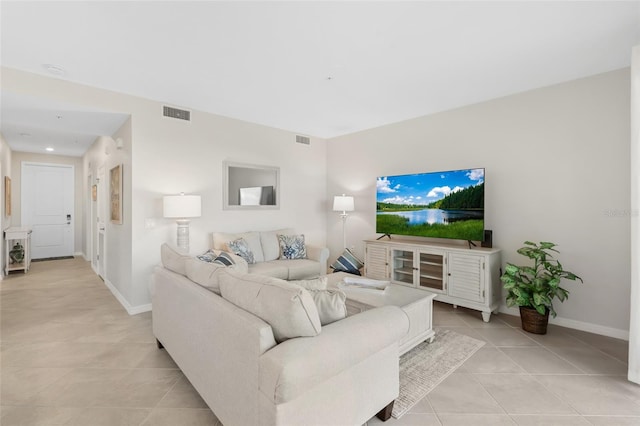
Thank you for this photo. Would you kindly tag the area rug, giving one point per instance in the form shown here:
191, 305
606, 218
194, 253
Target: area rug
428, 364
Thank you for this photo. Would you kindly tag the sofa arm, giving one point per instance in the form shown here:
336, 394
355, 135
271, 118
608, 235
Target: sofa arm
297, 365
320, 254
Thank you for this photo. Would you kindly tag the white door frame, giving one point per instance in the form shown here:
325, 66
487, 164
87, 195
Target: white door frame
100, 223
633, 372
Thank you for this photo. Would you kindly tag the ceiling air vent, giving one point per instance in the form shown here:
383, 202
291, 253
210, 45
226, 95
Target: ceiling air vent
176, 113
303, 139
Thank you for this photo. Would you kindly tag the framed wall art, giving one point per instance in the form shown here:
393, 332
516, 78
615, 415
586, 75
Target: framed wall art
115, 192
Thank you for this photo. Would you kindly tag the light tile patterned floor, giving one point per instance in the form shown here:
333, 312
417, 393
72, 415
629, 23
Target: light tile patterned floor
70, 355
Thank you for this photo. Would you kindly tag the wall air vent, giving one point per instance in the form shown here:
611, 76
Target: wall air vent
176, 113
303, 139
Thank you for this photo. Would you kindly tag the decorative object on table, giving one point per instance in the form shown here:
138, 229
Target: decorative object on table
428, 364
367, 283
7, 196
115, 194
343, 203
347, 262
182, 208
16, 254
534, 288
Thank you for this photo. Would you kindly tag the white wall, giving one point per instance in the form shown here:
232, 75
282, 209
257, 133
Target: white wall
174, 156
16, 180
117, 255
634, 322
5, 170
170, 156
557, 169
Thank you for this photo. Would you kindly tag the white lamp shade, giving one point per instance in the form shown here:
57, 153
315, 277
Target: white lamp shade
182, 206
343, 203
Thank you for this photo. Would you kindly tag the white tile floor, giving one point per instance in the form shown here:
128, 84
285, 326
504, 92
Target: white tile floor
70, 355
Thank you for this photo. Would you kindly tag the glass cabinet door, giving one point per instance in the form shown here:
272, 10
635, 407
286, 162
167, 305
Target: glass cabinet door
431, 271
402, 269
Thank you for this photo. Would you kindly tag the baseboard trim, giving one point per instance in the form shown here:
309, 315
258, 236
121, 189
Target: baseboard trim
131, 310
578, 325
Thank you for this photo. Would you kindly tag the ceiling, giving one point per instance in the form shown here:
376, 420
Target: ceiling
316, 68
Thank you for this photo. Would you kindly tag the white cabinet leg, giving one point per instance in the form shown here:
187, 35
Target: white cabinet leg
486, 316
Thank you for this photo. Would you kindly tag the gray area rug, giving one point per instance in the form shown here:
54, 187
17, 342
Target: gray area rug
428, 364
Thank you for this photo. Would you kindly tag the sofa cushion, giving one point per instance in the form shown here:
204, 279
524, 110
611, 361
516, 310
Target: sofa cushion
172, 259
292, 247
273, 269
299, 269
288, 308
270, 243
221, 242
204, 273
241, 248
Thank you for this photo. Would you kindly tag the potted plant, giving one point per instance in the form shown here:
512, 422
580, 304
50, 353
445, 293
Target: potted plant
533, 288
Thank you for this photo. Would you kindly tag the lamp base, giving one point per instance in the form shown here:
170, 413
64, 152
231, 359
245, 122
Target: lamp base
183, 235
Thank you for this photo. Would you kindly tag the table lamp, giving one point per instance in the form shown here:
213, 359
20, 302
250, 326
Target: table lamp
182, 207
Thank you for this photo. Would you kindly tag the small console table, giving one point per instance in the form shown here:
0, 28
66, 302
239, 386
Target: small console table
12, 236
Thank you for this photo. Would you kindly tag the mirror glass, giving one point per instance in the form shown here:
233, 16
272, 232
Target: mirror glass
250, 186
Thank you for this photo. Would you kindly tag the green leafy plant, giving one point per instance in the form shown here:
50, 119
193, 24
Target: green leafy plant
536, 286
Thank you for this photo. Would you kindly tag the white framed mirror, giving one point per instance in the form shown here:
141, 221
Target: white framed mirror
250, 186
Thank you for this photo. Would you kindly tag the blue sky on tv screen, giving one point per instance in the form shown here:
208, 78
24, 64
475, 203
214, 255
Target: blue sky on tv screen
425, 188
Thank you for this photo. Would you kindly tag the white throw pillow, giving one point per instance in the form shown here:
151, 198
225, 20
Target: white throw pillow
319, 283
331, 305
288, 308
172, 259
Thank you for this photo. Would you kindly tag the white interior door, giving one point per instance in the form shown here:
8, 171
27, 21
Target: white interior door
48, 208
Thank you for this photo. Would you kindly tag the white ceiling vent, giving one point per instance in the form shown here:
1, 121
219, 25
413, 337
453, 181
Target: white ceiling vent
303, 139
176, 113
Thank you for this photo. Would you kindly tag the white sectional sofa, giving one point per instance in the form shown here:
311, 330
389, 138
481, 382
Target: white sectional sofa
265, 248
251, 371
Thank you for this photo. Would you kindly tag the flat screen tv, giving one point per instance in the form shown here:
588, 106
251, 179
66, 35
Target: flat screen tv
448, 204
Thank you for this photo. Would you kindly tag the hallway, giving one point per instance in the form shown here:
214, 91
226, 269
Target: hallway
71, 355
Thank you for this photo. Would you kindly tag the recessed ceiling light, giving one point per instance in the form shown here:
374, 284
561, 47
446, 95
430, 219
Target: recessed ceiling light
49, 149
56, 70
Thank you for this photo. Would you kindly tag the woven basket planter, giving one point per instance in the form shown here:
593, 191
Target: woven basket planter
532, 321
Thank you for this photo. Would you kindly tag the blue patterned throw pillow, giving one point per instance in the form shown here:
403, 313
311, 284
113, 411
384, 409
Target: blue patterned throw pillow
241, 248
209, 256
292, 247
223, 259
347, 262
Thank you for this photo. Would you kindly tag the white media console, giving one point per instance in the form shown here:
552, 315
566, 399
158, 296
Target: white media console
461, 276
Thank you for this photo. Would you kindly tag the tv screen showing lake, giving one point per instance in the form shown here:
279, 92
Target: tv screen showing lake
441, 204
432, 216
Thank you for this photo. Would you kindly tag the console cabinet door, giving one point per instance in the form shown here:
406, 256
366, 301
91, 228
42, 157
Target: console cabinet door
431, 271
403, 268
467, 277
376, 265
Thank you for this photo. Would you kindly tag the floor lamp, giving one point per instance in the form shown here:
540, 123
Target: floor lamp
343, 203
182, 208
